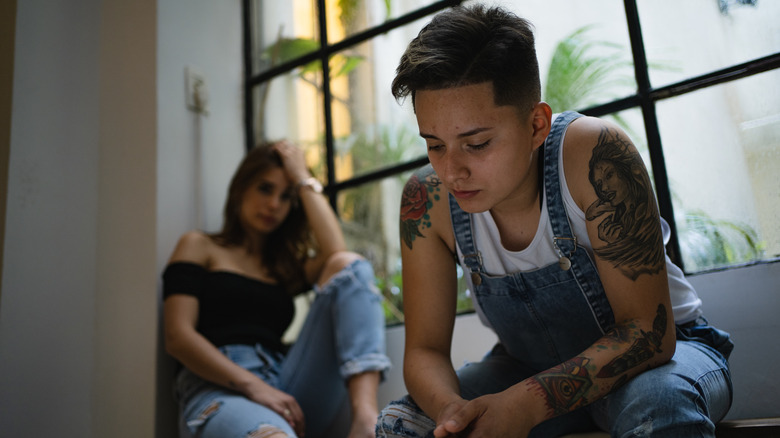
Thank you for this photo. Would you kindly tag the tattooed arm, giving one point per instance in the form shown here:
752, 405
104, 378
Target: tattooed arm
608, 180
430, 291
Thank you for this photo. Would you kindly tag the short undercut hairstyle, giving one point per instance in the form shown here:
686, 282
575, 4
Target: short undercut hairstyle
468, 45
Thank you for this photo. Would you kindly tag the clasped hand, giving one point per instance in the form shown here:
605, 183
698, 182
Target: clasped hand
489, 416
280, 402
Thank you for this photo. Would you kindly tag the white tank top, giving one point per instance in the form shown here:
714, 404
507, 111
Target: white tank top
497, 260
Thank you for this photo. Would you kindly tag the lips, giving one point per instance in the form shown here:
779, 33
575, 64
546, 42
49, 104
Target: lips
268, 220
464, 194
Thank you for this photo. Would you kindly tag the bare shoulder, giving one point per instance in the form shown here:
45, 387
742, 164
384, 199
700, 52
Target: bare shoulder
425, 209
193, 246
584, 134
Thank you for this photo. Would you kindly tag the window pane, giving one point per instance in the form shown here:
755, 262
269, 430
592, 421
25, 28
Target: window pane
369, 216
693, 37
282, 31
290, 106
371, 129
584, 51
349, 17
721, 150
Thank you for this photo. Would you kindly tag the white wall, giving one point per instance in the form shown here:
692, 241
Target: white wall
74, 329
47, 314
102, 181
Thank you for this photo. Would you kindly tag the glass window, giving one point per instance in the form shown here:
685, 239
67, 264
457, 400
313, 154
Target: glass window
282, 31
714, 139
689, 38
584, 51
349, 17
290, 106
371, 129
720, 145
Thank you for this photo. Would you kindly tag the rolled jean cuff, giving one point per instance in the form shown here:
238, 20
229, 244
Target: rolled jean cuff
368, 362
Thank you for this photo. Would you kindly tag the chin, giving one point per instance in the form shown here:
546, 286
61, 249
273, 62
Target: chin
472, 206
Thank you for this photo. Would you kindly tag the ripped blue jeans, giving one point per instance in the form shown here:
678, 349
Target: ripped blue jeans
343, 335
683, 398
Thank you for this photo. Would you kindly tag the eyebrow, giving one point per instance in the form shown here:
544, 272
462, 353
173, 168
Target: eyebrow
461, 135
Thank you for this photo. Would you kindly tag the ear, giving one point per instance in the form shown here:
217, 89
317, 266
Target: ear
541, 117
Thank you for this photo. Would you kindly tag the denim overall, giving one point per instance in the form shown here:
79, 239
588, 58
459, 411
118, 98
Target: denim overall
535, 313
546, 316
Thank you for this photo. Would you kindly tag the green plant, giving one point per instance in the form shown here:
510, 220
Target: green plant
584, 72
708, 243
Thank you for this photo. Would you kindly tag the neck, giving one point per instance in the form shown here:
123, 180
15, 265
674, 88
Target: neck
253, 243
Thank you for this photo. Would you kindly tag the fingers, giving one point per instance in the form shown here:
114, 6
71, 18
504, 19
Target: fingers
292, 159
449, 421
454, 422
441, 432
293, 414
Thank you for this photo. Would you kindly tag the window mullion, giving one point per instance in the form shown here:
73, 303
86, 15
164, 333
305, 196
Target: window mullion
324, 55
249, 114
644, 90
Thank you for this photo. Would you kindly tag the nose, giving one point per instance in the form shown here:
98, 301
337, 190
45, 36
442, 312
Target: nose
274, 202
454, 166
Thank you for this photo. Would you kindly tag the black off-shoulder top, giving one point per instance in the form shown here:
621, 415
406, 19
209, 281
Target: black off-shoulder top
233, 308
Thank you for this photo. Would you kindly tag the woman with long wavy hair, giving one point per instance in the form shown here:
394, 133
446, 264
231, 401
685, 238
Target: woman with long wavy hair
228, 299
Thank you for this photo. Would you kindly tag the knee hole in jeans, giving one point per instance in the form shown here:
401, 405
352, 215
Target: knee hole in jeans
205, 414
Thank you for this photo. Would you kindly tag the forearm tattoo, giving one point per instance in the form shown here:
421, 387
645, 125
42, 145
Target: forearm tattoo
569, 385
420, 191
626, 208
642, 350
564, 386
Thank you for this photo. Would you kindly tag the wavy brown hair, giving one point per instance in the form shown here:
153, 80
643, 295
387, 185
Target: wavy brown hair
285, 250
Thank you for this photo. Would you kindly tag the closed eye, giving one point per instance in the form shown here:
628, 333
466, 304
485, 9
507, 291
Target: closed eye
479, 146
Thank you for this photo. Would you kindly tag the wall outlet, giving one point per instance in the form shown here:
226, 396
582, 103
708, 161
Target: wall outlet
196, 91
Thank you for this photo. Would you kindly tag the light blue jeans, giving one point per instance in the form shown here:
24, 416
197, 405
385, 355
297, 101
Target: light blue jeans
683, 398
343, 335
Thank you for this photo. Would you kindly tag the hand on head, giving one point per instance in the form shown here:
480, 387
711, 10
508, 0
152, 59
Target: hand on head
293, 160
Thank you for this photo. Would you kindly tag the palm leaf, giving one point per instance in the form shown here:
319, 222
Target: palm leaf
583, 72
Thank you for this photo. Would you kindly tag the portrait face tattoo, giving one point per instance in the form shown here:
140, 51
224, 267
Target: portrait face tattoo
625, 207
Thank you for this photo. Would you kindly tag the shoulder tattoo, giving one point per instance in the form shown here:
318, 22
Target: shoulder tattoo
420, 191
626, 212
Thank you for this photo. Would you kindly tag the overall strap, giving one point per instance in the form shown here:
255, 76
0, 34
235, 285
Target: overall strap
579, 262
564, 238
